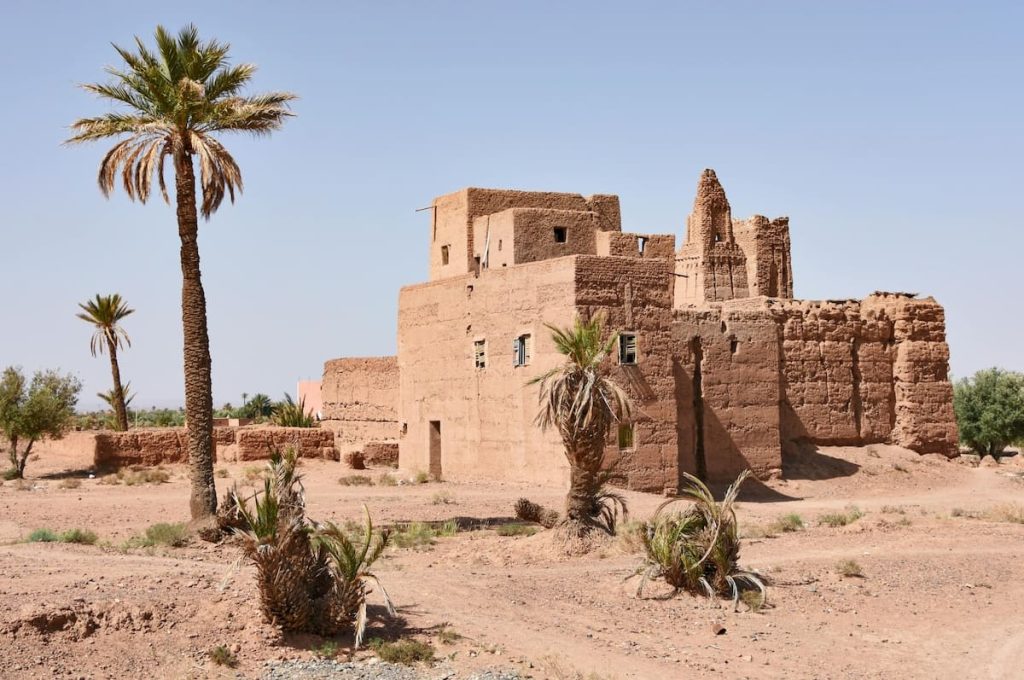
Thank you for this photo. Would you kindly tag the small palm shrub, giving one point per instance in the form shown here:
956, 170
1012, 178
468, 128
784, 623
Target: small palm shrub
697, 549
290, 414
311, 578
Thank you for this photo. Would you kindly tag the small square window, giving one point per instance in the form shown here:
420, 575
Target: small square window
444, 255
641, 244
625, 436
561, 234
627, 349
480, 354
521, 350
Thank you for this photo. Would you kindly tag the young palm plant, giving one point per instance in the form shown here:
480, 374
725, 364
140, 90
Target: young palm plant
697, 550
311, 578
111, 396
105, 313
179, 98
290, 414
582, 402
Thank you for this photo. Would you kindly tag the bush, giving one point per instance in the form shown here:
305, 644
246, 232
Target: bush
328, 650
405, 652
171, 535
443, 498
43, 536
528, 511
421, 477
697, 550
222, 656
82, 536
387, 479
785, 524
989, 410
448, 636
1006, 512
355, 480
289, 414
135, 476
849, 569
841, 519
311, 577
223, 473
70, 483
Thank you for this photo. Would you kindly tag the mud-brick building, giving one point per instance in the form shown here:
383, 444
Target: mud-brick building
728, 371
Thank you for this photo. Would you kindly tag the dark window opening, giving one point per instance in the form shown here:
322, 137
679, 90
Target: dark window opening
733, 346
625, 437
521, 351
480, 354
718, 237
561, 234
435, 449
444, 255
499, 245
627, 349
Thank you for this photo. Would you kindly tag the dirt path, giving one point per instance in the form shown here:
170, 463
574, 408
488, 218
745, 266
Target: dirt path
941, 594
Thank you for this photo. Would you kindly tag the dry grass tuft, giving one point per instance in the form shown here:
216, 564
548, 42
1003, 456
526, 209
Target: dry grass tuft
136, 476
222, 656
387, 479
841, 519
849, 569
405, 652
355, 480
443, 498
1006, 512
528, 511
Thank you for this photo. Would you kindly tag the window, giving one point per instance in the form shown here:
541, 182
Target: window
625, 436
480, 354
444, 254
627, 349
561, 234
641, 244
521, 351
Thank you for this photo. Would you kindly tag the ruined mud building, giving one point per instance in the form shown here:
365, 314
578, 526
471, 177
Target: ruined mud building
728, 370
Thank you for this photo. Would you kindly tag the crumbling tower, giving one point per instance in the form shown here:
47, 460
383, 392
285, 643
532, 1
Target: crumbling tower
710, 267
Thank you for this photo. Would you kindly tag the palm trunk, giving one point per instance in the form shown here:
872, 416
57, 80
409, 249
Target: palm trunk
198, 385
585, 452
120, 408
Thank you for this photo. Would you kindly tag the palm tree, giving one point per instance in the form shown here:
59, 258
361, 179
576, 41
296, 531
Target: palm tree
179, 98
582, 402
105, 313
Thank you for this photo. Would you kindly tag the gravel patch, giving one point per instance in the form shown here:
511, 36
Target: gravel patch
373, 670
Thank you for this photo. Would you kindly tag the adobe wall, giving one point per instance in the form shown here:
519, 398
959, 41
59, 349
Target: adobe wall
165, 445
486, 415
521, 235
727, 384
635, 295
452, 223
766, 245
360, 400
621, 244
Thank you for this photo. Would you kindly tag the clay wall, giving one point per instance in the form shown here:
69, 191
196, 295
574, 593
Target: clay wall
308, 392
486, 415
766, 246
621, 244
165, 445
360, 400
727, 391
521, 235
452, 222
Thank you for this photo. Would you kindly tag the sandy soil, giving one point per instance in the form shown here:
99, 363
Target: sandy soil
941, 596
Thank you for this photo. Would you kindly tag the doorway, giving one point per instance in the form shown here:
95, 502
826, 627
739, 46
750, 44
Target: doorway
435, 449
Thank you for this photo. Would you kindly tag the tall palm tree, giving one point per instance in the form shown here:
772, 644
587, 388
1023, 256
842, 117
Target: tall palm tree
105, 313
178, 99
582, 402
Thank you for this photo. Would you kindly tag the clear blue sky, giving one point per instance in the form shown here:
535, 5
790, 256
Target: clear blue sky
890, 133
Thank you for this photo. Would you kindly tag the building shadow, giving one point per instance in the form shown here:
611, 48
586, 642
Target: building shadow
802, 459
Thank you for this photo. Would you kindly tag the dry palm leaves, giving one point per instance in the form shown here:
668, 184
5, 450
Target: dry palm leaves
697, 549
311, 578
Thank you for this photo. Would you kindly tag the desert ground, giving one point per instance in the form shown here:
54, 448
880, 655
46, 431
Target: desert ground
940, 595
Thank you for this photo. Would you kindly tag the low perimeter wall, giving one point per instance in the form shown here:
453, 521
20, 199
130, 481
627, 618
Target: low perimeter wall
153, 446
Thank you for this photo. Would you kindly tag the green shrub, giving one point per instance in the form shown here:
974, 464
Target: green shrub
11, 473
787, 523
328, 650
421, 477
222, 656
989, 410
287, 413
405, 652
516, 529
43, 536
448, 636
83, 536
697, 550
163, 533
414, 535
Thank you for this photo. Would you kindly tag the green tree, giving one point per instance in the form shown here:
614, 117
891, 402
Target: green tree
990, 410
31, 411
258, 406
582, 402
105, 313
179, 98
